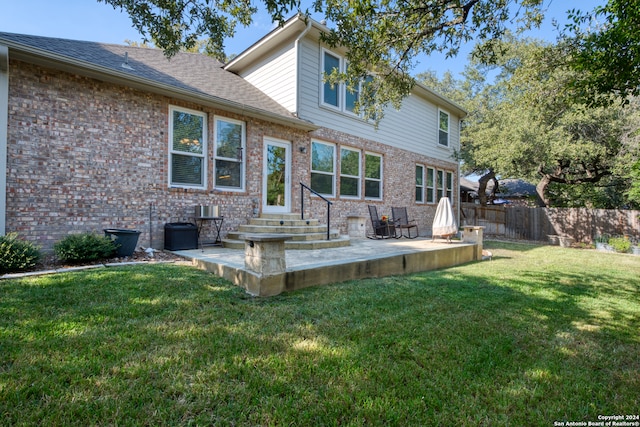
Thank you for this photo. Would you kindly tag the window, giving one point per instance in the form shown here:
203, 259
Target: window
331, 92
323, 162
351, 99
443, 129
373, 176
431, 185
419, 184
367, 84
440, 185
339, 95
229, 145
349, 173
449, 184
188, 140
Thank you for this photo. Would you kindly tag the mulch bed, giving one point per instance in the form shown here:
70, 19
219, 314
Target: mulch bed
50, 262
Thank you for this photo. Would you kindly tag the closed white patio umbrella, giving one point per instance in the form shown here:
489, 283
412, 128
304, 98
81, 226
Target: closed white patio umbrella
444, 223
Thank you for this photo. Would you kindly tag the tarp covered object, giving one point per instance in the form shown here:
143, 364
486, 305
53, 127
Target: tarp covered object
444, 223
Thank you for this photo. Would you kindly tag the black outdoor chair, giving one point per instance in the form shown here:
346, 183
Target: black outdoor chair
381, 229
402, 221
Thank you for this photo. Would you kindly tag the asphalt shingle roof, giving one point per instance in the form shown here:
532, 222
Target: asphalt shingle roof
187, 71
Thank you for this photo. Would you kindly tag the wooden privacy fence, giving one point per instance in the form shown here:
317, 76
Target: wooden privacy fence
526, 223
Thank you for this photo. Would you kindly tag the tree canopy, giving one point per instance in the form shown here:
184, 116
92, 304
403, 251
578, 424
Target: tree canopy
383, 38
605, 44
529, 122
175, 25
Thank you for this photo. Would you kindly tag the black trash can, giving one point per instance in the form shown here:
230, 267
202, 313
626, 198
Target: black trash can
126, 240
180, 235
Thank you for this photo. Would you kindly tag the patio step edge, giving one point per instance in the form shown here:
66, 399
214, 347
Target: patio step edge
335, 242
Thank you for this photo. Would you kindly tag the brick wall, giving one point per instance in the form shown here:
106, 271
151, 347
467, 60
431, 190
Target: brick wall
85, 155
398, 187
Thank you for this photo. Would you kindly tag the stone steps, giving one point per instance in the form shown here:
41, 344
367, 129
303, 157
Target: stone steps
305, 234
297, 237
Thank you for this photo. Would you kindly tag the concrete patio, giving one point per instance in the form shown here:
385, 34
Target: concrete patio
364, 258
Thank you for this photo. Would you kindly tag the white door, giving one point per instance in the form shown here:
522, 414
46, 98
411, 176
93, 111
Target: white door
276, 186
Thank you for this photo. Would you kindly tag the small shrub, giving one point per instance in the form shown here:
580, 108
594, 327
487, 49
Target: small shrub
84, 247
17, 254
620, 244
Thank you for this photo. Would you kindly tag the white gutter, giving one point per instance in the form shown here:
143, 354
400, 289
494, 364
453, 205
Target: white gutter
4, 117
299, 64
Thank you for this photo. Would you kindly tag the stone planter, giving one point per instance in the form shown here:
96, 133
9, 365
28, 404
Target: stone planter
356, 226
635, 250
563, 241
566, 241
604, 247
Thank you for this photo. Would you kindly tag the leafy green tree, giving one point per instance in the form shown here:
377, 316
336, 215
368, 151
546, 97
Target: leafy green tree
383, 38
605, 47
175, 25
529, 123
479, 98
634, 190
388, 36
589, 145
628, 159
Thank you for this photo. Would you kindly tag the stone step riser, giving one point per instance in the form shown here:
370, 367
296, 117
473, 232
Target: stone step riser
285, 223
286, 216
237, 235
281, 229
306, 234
295, 245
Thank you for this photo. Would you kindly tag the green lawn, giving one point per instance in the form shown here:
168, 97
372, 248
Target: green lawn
538, 335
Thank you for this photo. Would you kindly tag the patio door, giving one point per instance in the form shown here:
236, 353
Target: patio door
276, 186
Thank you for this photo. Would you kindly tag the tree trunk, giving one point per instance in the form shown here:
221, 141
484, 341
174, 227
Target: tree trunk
482, 186
495, 189
541, 191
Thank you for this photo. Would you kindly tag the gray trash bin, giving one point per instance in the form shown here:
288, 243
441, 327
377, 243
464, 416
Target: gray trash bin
126, 240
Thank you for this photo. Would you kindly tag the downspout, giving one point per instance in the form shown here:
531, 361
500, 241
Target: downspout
299, 64
459, 174
4, 124
297, 48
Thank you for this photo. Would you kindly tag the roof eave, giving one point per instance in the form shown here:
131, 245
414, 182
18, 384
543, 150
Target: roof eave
88, 69
441, 100
292, 26
297, 24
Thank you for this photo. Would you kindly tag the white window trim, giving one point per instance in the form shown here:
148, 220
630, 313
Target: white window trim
242, 162
448, 191
358, 177
333, 174
342, 87
423, 186
448, 129
381, 180
440, 185
433, 187
203, 155
345, 91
